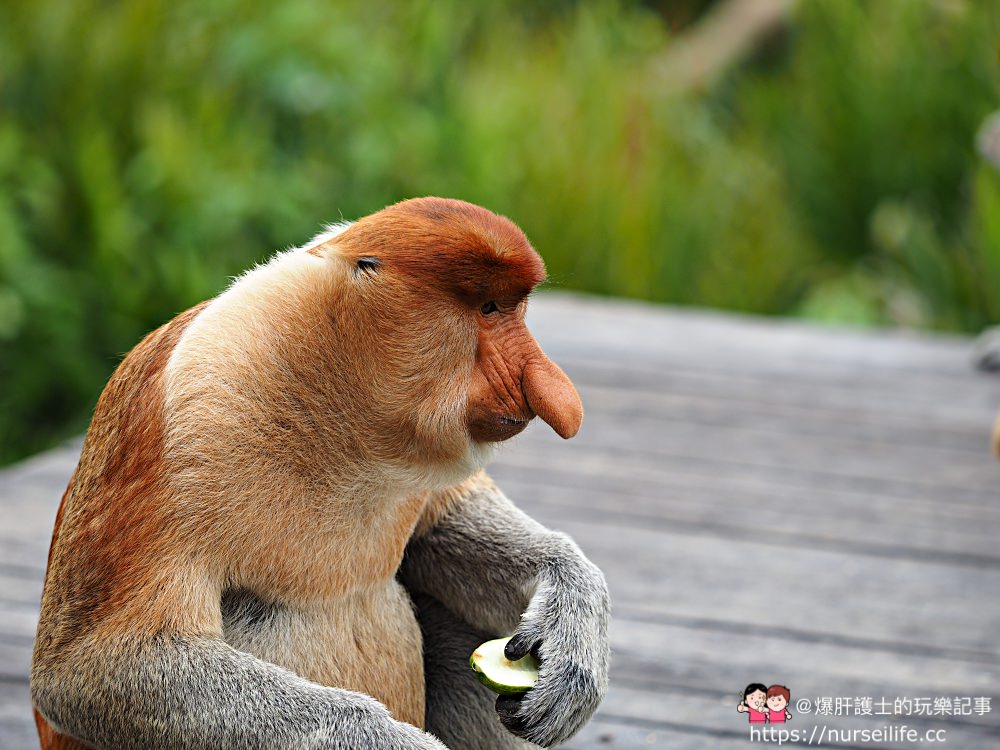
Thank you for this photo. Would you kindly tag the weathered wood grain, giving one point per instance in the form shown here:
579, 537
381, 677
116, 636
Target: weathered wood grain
770, 501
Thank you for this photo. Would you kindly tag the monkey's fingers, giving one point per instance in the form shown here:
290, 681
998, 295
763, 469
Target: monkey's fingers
509, 710
523, 642
554, 710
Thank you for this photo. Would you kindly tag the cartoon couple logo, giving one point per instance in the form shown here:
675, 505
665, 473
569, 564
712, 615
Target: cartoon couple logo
765, 704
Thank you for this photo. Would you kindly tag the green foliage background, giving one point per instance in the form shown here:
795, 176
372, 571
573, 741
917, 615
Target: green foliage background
151, 149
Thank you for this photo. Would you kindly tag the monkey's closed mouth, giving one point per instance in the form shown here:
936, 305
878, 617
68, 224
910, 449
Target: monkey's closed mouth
513, 422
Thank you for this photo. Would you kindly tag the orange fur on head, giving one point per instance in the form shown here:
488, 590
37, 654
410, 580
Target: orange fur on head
449, 246
459, 255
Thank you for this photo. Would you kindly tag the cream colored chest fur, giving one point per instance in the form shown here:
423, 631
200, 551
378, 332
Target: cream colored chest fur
301, 533
367, 641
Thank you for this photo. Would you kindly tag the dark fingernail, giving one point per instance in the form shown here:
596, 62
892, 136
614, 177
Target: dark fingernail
517, 648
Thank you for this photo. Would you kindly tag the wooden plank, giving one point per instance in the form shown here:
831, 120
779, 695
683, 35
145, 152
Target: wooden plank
17, 726
612, 328
751, 516
805, 411
710, 491
690, 719
645, 433
615, 731
814, 590
634, 361
664, 665
618, 446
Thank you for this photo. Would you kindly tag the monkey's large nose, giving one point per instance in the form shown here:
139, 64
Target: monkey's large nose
552, 396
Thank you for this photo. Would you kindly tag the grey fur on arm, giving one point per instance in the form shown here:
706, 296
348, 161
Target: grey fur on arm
172, 692
503, 572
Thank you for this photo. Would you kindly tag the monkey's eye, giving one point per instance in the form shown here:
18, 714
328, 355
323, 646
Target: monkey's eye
368, 264
489, 308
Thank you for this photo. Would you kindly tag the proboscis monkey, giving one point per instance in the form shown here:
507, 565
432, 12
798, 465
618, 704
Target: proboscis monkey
280, 535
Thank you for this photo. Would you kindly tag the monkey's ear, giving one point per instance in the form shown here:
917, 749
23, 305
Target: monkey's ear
368, 264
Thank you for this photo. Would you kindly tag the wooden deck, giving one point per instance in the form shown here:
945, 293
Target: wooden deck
771, 502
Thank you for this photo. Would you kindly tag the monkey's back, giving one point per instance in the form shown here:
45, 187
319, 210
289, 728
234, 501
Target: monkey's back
98, 535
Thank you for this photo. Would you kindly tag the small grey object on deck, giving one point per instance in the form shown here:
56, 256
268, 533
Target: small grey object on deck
770, 501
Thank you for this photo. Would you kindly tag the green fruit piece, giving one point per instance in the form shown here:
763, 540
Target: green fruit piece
500, 674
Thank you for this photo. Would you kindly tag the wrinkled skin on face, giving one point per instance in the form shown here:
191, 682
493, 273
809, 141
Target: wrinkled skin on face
514, 381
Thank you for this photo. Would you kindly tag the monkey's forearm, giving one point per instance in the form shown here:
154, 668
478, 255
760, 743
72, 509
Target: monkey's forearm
179, 692
504, 573
485, 559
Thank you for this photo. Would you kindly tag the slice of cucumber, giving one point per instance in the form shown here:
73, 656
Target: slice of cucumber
500, 674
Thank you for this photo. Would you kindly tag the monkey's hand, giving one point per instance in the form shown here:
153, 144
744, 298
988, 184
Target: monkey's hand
501, 571
565, 628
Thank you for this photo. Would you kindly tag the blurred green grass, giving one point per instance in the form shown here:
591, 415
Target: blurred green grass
149, 150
